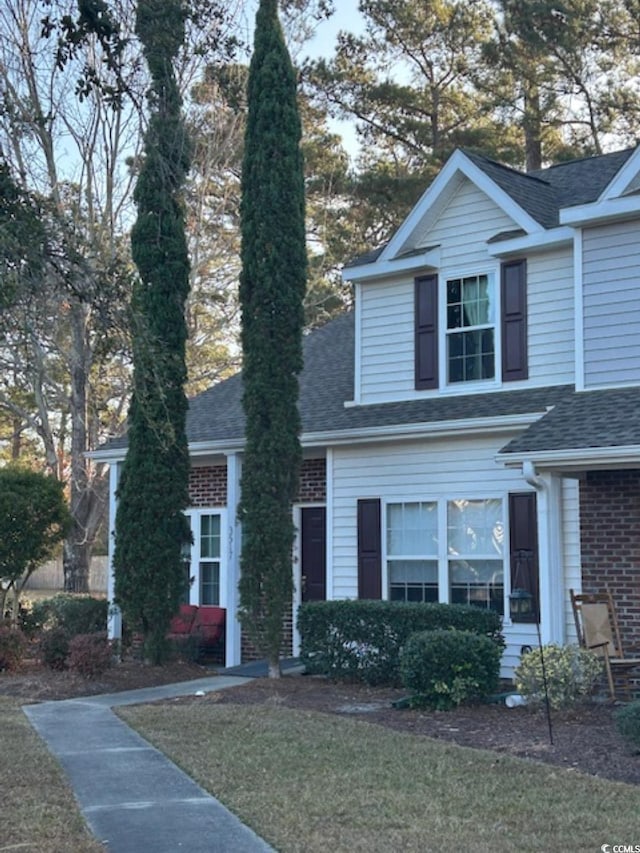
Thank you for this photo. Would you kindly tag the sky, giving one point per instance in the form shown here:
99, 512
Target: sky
346, 17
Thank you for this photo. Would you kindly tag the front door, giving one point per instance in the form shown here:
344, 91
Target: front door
313, 524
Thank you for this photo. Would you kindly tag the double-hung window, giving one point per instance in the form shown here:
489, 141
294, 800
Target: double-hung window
447, 550
475, 552
470, 332
412, 549
210, 559
203, 559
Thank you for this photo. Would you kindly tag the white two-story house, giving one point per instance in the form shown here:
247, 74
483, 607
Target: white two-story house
473, 426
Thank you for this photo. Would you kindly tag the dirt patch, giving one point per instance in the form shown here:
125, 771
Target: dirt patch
584, 739
35, 683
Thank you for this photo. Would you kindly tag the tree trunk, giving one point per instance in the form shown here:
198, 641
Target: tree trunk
532, 126
76, 559
274, 668
77, 548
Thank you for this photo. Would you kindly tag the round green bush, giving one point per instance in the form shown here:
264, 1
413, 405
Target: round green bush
13, 647
628, 722
75, 614
571, 674
445, 668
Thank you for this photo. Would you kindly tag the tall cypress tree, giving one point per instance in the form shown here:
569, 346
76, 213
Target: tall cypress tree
151, 528
272, 286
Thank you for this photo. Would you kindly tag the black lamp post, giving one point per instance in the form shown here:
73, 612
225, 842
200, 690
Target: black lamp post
522, 608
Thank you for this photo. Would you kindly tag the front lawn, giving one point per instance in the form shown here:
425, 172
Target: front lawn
312, 782
38, 811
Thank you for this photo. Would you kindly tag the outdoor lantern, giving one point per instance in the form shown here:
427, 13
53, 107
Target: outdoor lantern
521, 606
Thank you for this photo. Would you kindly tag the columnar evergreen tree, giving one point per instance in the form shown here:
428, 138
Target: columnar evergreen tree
272, 286
151, 528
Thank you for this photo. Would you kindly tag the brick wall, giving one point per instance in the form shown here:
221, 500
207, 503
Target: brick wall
313, 481
208, 486
610, 543
248, 651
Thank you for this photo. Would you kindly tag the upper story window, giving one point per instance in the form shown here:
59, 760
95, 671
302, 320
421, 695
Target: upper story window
480, 332
470, 334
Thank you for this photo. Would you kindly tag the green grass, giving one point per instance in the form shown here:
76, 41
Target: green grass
311, 782
38, 813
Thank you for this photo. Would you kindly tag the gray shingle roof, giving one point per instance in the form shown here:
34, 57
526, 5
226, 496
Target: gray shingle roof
327, 382
543, 192
568, 419
585, 419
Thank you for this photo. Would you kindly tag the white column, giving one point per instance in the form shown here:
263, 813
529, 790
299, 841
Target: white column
551, 560
114, 622
234, 545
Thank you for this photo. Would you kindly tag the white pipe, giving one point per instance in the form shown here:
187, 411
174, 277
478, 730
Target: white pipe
531, 475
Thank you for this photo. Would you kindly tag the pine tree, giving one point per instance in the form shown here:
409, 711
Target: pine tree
151, 528
272, 286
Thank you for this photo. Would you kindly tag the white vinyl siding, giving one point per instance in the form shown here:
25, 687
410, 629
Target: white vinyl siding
464, 226
387, 331
431, 471
550, 298
387, 353
460, 468
611, 304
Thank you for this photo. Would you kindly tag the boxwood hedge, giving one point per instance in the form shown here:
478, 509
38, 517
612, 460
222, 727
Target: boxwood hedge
362, 640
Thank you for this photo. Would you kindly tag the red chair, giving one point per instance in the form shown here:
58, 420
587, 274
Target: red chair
181, 625
209, 626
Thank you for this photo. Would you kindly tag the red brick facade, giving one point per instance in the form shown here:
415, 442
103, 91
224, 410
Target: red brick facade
313, 481
208, 486
248, 650
610, 543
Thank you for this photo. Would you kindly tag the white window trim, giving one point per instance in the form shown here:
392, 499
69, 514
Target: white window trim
194, 516
492, 271
442, 502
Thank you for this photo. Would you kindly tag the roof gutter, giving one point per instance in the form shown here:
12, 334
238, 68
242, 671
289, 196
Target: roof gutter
574, 459
551, 239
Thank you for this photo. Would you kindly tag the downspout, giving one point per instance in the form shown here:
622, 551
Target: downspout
550, 621
531, 475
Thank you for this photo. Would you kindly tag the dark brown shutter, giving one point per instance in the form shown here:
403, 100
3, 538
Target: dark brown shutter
426, 332
523, 539
514, 320
369, 549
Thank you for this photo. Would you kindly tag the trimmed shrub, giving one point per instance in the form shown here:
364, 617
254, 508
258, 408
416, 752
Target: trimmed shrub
54, 648
447, 667
13, 647
628, 723
362, 640
571, 674
89, 654
75, 614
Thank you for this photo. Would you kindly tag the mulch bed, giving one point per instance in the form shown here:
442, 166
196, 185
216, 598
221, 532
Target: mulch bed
584, 739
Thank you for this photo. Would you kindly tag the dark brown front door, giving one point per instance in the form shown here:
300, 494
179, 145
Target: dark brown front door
314, 553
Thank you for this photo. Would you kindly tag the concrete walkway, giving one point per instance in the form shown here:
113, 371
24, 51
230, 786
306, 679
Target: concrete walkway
134, 799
